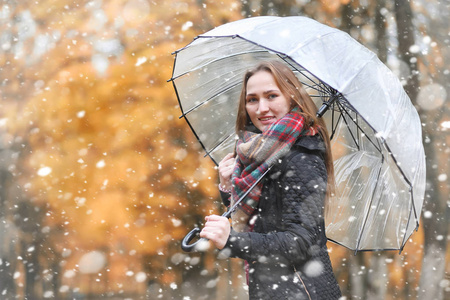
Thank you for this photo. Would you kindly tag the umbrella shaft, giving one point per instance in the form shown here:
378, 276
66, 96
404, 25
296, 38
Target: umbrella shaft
228, 213
326, 105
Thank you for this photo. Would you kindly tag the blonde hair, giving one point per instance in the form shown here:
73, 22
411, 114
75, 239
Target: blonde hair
292, 89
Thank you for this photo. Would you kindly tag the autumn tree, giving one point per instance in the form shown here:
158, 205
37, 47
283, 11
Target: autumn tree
104, 159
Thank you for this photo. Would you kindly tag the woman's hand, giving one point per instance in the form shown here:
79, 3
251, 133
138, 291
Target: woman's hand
226, 166
217, 230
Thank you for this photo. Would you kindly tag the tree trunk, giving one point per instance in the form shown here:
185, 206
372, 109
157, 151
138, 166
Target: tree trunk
7, 260
246, 9
32, 274
358, 276
56, 278
436, 226
377, 279
266, 7
435, 229
380, 27
346, 17
405, 36
8, 232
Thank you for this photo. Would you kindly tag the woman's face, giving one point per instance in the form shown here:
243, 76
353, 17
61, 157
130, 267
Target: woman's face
264, 102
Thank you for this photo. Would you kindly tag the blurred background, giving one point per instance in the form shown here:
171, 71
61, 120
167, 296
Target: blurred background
100, 179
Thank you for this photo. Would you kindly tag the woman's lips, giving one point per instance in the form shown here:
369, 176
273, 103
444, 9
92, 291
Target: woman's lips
266, 120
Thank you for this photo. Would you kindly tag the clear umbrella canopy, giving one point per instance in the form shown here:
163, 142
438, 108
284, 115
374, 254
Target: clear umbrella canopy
375, 130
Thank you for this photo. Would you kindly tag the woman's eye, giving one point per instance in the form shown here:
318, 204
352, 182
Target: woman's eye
272, 96
249, 100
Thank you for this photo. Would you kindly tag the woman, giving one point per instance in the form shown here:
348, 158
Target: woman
279, 230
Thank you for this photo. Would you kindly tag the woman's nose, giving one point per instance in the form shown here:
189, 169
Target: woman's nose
262, 107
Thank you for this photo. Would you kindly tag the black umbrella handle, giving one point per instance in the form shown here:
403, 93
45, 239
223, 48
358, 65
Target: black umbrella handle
188, 238
194, 232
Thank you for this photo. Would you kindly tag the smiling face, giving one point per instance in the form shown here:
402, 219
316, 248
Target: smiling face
264, 102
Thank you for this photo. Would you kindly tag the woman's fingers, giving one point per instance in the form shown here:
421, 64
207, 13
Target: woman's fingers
215, 218
228, 161
227, 157
226, 167
217, 230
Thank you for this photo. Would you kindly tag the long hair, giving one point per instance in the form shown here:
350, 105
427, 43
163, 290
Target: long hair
292, 89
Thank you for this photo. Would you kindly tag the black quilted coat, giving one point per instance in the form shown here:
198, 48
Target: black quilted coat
286, 251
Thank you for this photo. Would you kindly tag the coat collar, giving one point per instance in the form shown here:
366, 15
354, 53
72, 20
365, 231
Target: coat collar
312, 143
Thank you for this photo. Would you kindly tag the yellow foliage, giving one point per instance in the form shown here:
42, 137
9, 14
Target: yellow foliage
333, 6
105, 152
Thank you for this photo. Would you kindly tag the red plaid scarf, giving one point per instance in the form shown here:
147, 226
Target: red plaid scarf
255, 154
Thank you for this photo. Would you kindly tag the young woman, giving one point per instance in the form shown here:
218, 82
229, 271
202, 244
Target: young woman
279, 230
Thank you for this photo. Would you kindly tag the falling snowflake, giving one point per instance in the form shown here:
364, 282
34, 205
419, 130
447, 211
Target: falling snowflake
427, 214
313, 268
140, 277
100, 164
92, 262
176, 222
140, 61
44, 171
48, 294
442, 177
187, 25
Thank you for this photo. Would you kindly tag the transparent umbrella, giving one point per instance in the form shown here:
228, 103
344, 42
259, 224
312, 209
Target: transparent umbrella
375, 130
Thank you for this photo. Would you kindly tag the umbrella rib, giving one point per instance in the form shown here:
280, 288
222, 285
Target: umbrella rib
317, 87
346, 112
370, 204
216, 60
407, 181
361, 250
209, 99
341, 109
208, 152
334, 125
405, 238
358, 135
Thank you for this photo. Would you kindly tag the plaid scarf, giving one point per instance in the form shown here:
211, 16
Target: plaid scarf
255, 154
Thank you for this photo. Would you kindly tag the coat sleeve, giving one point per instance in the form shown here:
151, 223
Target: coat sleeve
225, 198
303, 189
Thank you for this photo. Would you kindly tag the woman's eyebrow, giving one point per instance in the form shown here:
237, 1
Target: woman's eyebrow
270, 91
265, 92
